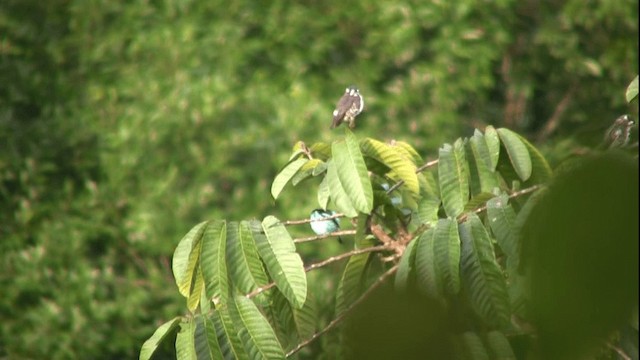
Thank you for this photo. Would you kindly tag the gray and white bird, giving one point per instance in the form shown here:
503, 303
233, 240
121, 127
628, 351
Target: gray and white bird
349, 106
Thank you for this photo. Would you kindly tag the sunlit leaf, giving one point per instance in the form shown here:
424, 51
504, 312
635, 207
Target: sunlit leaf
285, 175
453, 176
161, 333
284, 264
352, 172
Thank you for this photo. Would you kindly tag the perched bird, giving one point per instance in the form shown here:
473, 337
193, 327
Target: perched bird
349, 106
323, 227
618, 134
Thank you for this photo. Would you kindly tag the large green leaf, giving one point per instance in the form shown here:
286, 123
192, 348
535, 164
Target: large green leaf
401, 166
541, 171
487, 178
297, 324
338, 195
473, 346
185, 345
407, 151
307, 170
150, 346
354, 275
186, 257
324, 192
425, 263
481, 274
205, 339
453, 176
285, 175
284, 264
350, 285
447, 254
499, 346
502, 222
245, 267
227, 334
255, 332
213, 260
406, 266
352, 172
493, 145
518, 153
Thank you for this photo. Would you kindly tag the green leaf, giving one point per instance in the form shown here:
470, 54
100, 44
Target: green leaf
407, 151
518, 153
352, 172
285, 175
481, 274
205, 340
401, 167
284, 264
499, 346
299, 324
493, 145
213, 260
196, 291
339, 196
350, 285
632, 90
255, 332
406, 266
307, 170
453, 176
324, 192
186, 257
541, 171
428, 208
227, 334
185, 346
447, 254
474, 347
502, 222
151, 345
425, 263
245, 267
483, 165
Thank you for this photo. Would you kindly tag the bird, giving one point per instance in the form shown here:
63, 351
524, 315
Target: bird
618, 135
349, 106
323, 227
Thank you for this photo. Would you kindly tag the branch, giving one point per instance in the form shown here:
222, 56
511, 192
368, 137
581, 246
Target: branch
513, 195
324, 236
345, 255
554, 120
307, 221
346, 312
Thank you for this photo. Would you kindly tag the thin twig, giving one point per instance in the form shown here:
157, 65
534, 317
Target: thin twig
554, 120
513, 195
619, 351
345, 255
324, 236
346, 312
307, 221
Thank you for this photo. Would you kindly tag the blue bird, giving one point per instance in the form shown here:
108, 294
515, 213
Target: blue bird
326, 226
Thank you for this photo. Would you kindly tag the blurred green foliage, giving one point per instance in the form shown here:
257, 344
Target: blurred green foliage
122, 124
